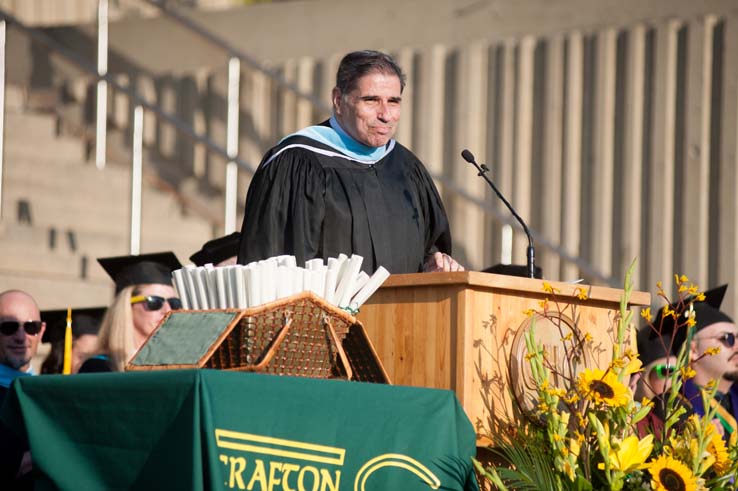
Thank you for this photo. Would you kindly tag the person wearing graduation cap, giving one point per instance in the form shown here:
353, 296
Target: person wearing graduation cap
654, 380
713, 354
143, 296
346, 186
85, 327
222, 251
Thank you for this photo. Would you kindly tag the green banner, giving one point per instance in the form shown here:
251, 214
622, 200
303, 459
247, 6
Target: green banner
207, 429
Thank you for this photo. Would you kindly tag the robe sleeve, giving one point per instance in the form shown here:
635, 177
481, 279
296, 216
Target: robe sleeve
437, 230
284, 209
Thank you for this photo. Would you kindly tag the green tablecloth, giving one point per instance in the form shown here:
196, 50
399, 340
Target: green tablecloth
204, 429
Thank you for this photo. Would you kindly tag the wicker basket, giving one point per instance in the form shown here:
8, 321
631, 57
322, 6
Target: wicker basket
302, 336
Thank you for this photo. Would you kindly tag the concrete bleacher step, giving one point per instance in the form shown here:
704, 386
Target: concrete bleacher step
48, 174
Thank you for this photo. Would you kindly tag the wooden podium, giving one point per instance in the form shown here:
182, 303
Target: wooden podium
465, 332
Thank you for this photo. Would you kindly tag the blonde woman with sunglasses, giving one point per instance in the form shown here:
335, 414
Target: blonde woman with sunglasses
144, 295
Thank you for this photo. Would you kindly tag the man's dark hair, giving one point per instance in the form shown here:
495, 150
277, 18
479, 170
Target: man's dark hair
356, 64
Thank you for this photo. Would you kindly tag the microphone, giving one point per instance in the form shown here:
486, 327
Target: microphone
483, 169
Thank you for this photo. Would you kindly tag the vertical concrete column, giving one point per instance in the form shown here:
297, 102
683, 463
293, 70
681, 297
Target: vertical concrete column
603, 165
430, 112
467, 224
695, 204
571, 204
404, 134
288, 123
522, 185
661, 209
504, 167
306, 84
553, 152
728, 215
633, 125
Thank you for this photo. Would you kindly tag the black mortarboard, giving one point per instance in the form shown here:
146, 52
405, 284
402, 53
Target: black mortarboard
706, 313
143, 269
84, 321
217, 250
652, 346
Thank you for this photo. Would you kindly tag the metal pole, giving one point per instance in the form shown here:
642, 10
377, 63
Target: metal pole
2, 110
136, 180
102, 85
231, 194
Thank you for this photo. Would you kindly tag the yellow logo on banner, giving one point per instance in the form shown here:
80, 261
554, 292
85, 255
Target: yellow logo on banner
273, 475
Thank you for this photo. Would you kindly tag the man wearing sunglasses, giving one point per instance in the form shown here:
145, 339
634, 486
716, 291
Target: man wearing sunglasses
20, 332
714, 357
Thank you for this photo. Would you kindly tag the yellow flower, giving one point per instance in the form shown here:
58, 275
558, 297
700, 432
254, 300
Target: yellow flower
693, 289
687, 373
633, 366
646, 314
603, 388
700, 297
631, 453
668, 474
547, 287
529, 312
581, 294
716, 448
712, 351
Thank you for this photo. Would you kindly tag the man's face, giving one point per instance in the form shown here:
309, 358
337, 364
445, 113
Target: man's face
17, 349
371, 111
723, 365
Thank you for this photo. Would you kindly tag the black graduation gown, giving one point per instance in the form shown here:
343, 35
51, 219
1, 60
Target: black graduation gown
310, 201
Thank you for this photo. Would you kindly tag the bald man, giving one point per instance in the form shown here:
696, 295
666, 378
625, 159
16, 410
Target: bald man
20, 332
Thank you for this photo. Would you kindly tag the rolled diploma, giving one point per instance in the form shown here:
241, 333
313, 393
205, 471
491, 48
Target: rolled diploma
179, 285
201, 287
220, 283
347, 279
212, 285
240, 282
254, 289
330, 285
284, 281
189, 276
360, 282
379, 277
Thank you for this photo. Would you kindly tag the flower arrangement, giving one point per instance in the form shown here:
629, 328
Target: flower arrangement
587, 431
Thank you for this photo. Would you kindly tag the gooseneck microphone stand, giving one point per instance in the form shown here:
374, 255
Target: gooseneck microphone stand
482, 172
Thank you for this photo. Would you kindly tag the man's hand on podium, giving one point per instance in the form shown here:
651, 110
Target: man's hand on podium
440, 262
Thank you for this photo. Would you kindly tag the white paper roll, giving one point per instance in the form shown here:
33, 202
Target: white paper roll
329, 292
179, 285
188, 272
347, 278
379, 277
220, 287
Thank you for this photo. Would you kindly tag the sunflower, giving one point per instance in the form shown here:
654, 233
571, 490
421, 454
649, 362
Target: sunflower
603, 387
716, 448
668, 474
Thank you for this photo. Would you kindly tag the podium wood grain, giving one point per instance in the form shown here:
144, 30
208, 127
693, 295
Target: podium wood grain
456, 331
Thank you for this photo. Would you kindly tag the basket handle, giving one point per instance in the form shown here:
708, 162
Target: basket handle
339, 347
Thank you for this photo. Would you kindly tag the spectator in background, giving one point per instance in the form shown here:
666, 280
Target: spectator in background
85, 327
21, 330
143, 296
714, 357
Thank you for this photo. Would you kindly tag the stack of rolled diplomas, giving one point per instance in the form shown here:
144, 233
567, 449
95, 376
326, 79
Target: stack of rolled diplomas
340, 282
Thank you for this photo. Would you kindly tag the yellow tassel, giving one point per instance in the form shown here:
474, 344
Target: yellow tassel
68, 345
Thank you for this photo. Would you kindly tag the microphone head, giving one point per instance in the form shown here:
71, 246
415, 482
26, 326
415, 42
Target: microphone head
467, 155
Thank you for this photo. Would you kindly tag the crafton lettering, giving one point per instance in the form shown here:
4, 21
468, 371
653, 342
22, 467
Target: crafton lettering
259, 475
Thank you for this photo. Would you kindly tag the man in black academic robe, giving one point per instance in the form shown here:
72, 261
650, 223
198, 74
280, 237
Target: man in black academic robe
345, 186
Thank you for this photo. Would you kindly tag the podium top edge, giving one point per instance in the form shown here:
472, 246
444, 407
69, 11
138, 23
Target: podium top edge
515, 283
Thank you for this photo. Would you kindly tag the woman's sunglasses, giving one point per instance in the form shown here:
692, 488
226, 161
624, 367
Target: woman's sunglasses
8, 328
663, 371
154, 302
